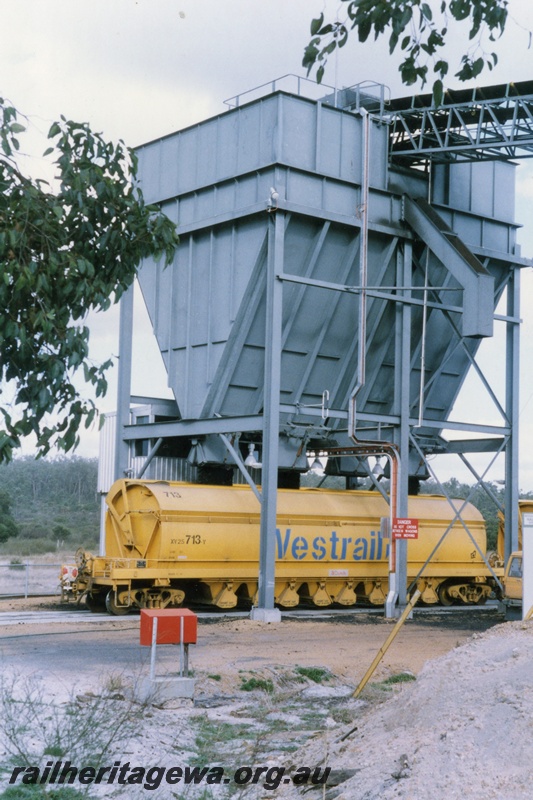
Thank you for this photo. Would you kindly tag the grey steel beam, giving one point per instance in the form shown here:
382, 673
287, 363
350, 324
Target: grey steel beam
191, 311
240, 463
512, 376
193, 427
485, 486
271, 417
402, 382
378, 293
168, 407
478, 285
125, 348
493, 255
464, 427
471, 445
197, 427
149, 458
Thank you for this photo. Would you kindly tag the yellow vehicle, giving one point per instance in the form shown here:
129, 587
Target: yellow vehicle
512, 580
524, 507
170, 543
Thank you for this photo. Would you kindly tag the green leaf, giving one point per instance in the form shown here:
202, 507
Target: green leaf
364, 30
316, 24
438, 93
310, 56
477, 67
54, 130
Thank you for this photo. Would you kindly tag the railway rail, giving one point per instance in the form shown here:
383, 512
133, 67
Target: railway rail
83, 616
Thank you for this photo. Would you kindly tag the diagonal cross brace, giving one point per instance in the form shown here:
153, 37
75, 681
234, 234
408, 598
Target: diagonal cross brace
468, 271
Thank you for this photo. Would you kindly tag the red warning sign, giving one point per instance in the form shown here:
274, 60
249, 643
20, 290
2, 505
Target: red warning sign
404, 528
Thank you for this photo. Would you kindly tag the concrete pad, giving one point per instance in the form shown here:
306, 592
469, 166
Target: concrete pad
162, 689
265, 614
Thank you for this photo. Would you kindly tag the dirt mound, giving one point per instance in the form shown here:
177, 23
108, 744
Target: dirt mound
462, 730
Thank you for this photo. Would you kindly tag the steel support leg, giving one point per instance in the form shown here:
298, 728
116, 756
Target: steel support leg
125, 346
271, 414
512, 412
402, 386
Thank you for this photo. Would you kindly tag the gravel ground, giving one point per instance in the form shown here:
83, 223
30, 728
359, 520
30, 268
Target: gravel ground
462, 730
280, 696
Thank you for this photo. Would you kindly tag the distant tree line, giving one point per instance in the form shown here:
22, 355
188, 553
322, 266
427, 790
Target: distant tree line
48, 504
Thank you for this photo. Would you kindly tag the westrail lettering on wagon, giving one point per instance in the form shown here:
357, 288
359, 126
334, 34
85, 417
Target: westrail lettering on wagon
330, 547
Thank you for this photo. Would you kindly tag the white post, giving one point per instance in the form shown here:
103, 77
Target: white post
182, 650
527, 563
154, 646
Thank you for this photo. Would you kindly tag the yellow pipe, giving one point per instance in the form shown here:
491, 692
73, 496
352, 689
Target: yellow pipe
529, 614
409, 607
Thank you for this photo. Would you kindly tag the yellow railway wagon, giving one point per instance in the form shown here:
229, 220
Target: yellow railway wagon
169, 543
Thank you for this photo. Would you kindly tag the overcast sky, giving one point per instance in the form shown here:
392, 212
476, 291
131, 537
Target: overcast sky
140, 69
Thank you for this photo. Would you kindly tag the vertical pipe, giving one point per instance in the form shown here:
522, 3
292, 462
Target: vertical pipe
363, 275
371, 447
363, 270
271, 411
125, 346
363, 253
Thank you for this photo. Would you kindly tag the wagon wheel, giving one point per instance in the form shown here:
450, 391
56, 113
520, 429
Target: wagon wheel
444, 595
95, 602
113, 608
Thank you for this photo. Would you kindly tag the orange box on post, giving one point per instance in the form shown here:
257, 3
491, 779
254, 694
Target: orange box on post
169, 625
